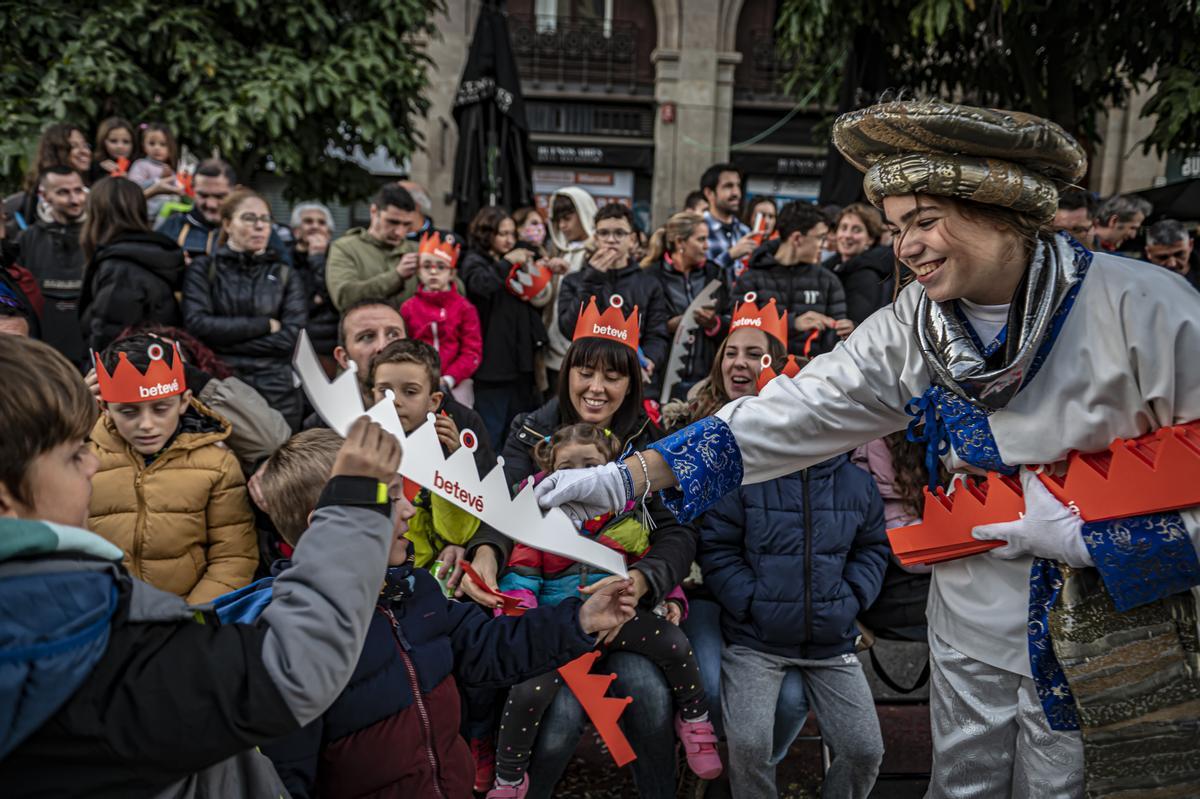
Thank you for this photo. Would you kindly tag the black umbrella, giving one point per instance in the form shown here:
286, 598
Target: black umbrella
865, 77
1175, 200
493, 165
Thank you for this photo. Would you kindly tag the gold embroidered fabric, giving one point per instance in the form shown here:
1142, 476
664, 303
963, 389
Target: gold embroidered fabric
1003, 158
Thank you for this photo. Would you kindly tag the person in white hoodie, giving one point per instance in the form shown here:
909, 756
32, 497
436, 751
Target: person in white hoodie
572, 224
1064, 660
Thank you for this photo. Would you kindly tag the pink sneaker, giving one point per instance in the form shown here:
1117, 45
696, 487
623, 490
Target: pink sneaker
700, 746
510, 791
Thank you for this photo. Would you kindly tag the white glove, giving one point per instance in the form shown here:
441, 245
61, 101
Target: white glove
584, 493
1049, 529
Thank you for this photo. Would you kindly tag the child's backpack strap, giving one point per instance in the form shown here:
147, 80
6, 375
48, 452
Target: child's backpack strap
244, 605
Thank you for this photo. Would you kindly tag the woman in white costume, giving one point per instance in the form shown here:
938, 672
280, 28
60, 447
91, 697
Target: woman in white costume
1071, 651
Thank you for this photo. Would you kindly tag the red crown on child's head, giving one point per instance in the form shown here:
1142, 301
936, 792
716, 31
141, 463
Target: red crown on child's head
791, 368
611, 324
444, 248
127, 384
767, 319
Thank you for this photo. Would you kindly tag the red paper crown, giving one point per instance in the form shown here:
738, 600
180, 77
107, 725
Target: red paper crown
604, 711
446, 249
791, 368
767, 319
611, 324
527, 280
127, 384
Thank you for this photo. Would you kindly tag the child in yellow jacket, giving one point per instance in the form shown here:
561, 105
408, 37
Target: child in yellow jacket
168, 492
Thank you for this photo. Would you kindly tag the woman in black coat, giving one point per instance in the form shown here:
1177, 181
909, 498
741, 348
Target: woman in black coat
132, 273
247, 305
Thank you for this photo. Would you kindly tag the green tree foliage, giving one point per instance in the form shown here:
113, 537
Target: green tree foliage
267, 83
1063, 60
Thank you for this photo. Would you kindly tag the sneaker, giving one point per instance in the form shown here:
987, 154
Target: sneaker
700, 746
484, 755
510, 791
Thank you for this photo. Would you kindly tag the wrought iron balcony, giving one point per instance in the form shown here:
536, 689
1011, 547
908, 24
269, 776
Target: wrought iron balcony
761, 74
559, 53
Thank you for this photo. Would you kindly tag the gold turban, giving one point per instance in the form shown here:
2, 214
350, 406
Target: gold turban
1003, 158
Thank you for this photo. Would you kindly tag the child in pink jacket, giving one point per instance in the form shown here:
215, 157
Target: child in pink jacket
441, 317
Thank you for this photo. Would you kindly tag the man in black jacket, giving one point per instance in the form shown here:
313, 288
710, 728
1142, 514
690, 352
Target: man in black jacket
789, 271
49, 249
612, 272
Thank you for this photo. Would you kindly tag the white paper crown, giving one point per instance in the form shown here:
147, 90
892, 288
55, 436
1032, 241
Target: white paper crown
456, 478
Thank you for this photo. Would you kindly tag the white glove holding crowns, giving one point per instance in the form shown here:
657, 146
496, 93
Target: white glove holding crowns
584, 493
1049, 529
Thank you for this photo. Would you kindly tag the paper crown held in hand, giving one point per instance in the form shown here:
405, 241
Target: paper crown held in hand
127, 384
768, 319
791, 368
445, 249
612, 324
527, 280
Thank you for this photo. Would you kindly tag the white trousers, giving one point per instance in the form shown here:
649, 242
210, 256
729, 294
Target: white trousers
990, 736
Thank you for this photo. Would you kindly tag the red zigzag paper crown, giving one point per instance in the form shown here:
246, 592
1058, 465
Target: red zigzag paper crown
127, 384
444, 249
767, 319
611, 324
791, 368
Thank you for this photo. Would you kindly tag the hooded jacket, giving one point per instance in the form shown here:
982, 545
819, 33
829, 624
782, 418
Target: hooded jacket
229, 300
130, 281
183, 520
50, 251
868, 278
797, 288
575, 254
636, 287
793, 561
446, 321
359, 266
513, 332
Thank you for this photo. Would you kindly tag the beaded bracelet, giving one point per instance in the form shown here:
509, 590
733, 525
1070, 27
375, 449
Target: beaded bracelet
645, 470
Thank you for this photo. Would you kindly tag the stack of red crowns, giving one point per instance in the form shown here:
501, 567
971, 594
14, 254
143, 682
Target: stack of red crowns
127, 384
767, 319
611, 324
444, 249
791, 368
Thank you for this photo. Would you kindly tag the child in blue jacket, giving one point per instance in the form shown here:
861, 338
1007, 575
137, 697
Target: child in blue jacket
792, 562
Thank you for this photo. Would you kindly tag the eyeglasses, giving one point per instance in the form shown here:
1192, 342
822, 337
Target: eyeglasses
612, 235
435, 267
251, 219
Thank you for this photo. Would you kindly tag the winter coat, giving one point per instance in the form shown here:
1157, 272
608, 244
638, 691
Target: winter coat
229, 300
793, 561
51, 253
323, 318
672, 545
115, 689
797, 289
196, 237
513, 331
868, 278
450, 324
19, 290
184, 519
575, 253
256, 429
130, 281
679, 290
394, 730
635, 286
359, 266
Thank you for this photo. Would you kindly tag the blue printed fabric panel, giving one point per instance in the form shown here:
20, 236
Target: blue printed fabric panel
1143, 558
707, 462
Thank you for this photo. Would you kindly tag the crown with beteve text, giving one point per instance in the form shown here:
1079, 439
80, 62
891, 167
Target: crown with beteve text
128, 384
768, 319
445, 249
611, 324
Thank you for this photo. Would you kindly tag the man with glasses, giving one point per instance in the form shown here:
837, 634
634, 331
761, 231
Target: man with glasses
1169, 245
196, 231
1076, 215
789, 271
611, 271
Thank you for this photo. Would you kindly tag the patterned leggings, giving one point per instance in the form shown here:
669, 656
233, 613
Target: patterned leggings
645, 634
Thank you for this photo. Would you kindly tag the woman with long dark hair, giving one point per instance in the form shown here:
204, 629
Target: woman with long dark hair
132, 272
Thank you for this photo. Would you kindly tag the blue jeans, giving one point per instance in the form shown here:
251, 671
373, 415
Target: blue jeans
648, 723
703, 628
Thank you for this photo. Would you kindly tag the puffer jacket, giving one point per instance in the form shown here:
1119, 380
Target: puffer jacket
130, 281
394, 730
635, 286
869, 279
322, 327
680, 289
446, 321
51, 253
797, 288
513, 331
793, 561
229, 301
183, 520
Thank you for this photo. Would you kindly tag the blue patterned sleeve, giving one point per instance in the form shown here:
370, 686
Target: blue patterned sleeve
1143, 558
707, 462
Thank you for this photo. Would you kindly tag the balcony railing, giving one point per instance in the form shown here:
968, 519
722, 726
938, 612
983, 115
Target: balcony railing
762, 72
588, 55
